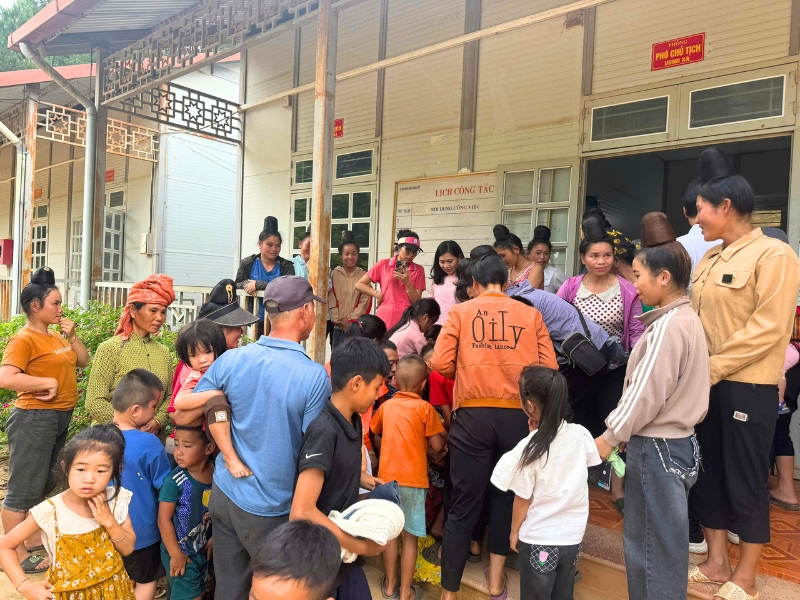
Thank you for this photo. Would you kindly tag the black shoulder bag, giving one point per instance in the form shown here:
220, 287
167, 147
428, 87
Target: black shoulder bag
580, 350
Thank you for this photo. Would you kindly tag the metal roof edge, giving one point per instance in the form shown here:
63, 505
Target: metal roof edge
28, 76
49, 21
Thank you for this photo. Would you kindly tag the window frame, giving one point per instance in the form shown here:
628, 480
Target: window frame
38, 222
114, 211
338, 151
76, 247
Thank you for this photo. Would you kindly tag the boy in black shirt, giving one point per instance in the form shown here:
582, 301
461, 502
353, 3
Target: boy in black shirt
329, 464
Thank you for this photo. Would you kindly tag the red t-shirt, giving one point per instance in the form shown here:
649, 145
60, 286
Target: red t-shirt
440, 389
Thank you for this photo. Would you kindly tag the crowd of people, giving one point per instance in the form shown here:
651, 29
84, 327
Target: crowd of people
473, 409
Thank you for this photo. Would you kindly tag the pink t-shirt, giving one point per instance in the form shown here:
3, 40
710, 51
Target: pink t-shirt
445, 296
395, 296
408, 339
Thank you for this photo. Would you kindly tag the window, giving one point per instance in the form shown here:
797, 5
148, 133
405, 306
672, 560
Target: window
39, 237
539, 197
113, 238
116, 199
747, 101
349, 210
354, 164
631, 119
303, 171
76, 247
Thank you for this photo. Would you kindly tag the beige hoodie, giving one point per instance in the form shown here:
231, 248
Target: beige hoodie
667, 381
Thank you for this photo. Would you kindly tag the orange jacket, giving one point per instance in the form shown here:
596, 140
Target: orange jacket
484, 345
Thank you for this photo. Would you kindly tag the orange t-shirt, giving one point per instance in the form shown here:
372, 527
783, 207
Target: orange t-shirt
404, 424
40, 355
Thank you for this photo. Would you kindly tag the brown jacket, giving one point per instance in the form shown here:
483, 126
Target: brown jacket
666, 382
343, 298
484, 345
746, 295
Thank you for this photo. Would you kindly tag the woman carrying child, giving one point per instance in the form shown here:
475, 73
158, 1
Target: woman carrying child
656, 417
409, 333
86, 529
547, 471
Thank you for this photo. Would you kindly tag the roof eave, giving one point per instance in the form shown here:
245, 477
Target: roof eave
49, 21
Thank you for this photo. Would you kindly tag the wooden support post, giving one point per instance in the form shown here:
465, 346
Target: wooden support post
324, 101
25, 203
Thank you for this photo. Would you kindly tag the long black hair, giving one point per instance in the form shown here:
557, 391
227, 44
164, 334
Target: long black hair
368, 326
546, 389
718, 181
464, 274
200, 335
446, 247
503, 238
106, 438
43, 281
420, 308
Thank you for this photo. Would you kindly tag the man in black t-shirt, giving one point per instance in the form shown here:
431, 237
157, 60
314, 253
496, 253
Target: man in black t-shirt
329, 463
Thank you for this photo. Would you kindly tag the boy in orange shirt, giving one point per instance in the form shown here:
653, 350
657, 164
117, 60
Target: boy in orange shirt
405, 423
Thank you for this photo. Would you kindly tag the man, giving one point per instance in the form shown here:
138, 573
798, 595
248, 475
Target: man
694, 242
273, 393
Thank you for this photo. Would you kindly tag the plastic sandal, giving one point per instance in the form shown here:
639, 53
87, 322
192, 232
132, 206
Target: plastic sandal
418, 592
383, 590
731, 591
431, 554
776, 502
696, 576
29, 564
504, 594
473, 557
34, 549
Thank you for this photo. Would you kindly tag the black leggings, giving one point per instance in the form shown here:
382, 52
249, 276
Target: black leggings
478, 438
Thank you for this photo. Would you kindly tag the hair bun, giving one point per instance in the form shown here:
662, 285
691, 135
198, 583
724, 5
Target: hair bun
541, 233
271, 224
348, 237
656, 230
501, 232
44, 276
714, 164
594, 228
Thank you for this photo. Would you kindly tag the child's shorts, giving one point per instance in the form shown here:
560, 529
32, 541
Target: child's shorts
192, 583
144, 565
412, 501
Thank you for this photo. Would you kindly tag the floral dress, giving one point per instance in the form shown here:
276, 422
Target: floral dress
85, 566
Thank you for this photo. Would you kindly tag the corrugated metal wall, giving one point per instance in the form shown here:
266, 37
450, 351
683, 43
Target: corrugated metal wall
737, 32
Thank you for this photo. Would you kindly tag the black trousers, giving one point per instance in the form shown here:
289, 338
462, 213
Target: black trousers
735, 442
547, 572
593, 398
478, 438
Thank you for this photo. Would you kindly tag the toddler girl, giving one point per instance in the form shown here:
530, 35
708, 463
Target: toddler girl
547, 471
85, 529
199, 344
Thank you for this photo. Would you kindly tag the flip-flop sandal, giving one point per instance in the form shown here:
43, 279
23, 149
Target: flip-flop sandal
29, 564
35, 549
696, 576
418, 592
504, 594
474, 557
385, 595
619, 504
784, 505
431, 554
731, 591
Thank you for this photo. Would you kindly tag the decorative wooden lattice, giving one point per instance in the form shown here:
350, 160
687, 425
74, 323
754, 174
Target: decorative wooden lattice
14, 119
201, 35
68, 126
187, 109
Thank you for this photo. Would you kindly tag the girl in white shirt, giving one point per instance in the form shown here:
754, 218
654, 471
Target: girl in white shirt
86, 529
547, 471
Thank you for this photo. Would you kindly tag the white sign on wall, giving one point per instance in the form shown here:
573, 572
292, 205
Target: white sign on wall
456, 207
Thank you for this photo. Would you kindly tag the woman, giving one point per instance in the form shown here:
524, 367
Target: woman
539, 251
509, 247
401, 281
38, 364
409, 333
745, 292
257, 270
301, 262
657, 415
134, 347
443, 276
345, 303
484, 345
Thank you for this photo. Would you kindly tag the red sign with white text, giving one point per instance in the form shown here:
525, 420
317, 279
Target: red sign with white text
109, 175
678, 52
338, 128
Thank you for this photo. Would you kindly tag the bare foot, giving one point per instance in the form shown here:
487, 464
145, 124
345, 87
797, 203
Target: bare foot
238, 468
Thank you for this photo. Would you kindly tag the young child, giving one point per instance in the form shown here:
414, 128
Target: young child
299, 560
547, 471
440, 389
406, 423
330, 458
145, 466
86, 529
199, 344
183, 517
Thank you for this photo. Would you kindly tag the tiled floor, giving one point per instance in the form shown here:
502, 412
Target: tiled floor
780, 559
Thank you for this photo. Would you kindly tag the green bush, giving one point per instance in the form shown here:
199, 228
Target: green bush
94, 326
